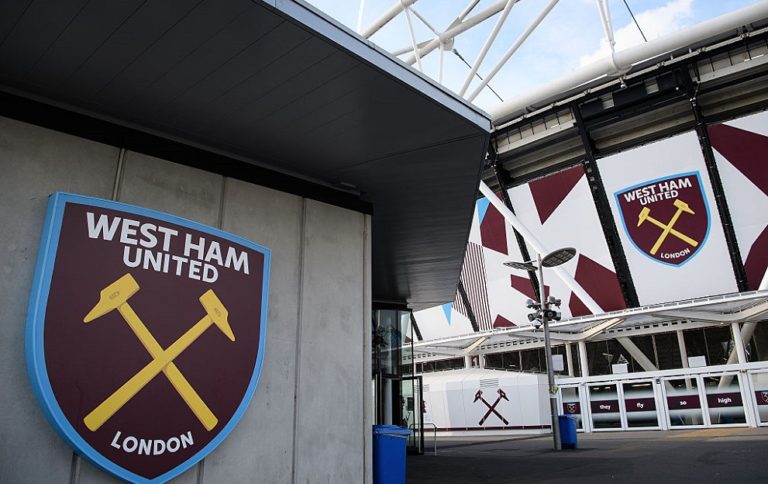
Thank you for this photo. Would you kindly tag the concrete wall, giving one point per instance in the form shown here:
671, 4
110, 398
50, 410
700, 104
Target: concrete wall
309, 419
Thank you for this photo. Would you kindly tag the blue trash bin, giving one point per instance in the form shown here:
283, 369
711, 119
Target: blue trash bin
389, 442
567, 431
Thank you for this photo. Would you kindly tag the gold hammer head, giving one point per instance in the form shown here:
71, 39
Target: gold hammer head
681, 205
643, 215
217, 312
112, 296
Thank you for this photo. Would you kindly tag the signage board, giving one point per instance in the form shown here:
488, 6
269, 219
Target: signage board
666, 219
145, 334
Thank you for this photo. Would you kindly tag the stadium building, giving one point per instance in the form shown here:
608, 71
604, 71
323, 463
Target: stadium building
236, 234
663, 304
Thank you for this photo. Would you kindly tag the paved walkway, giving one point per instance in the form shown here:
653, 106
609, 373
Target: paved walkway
704, 456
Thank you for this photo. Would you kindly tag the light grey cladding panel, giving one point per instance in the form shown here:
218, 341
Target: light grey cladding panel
367, 391
90, 473
329, 427
170, 187
260, 448
272, 219
34, 162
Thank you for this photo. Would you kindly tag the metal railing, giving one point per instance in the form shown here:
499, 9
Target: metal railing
434, 435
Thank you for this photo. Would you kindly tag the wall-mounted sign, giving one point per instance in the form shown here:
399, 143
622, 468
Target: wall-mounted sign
666, 219
145, 334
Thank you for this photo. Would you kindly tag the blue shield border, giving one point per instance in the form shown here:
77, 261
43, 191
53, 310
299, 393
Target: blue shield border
35, 356
703, 197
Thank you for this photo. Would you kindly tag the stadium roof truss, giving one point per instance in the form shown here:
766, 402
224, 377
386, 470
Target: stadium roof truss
616, 65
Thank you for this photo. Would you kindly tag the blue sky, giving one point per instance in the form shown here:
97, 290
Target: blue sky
570, 36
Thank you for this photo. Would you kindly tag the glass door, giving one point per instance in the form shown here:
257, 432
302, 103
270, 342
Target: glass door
723, 398
411, 411
760, 394
683, 402
571, 404
640, 404
760, 386
605, 406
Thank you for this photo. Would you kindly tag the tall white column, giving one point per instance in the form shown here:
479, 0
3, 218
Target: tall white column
583, 358
683, 349
569, 357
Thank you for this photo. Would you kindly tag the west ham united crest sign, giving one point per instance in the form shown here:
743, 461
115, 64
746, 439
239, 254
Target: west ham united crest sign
145, 334
666, 219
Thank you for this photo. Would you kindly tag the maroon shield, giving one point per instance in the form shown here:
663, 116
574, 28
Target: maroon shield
666, 219
146, 334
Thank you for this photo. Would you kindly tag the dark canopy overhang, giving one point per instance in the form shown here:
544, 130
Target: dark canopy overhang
276, 85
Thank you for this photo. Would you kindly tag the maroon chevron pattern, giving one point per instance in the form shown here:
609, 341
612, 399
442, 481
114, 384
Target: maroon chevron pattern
747, 151
493, 233
502, 322
757, 261
473, 278
601, 283
525, 286
550, 191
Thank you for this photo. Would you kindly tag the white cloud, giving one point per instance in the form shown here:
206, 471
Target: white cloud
655, 23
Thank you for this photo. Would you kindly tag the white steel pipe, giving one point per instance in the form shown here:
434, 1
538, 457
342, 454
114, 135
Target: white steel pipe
488, 43
393, 12
539, 247
745, 335
738, 343
636, 353
602, 7
513, 49
413, 37
470, 6
360, 16
459, 28
627, 57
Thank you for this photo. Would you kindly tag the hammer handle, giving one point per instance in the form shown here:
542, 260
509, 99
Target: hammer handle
172, 372
129, 389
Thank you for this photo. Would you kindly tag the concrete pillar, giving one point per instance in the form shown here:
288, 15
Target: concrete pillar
569, 357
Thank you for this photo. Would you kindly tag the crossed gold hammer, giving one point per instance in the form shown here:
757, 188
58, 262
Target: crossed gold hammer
115, 296
667, 228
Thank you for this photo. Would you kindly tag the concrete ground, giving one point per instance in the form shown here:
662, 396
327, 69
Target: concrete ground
737, 455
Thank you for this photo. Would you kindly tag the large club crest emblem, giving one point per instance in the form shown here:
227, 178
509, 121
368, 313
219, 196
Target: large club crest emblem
666, 219
145, 334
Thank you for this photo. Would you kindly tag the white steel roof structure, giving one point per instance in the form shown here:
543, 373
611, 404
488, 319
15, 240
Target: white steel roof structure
425, 40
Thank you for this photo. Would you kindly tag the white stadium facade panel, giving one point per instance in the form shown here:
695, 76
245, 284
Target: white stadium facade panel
658, 180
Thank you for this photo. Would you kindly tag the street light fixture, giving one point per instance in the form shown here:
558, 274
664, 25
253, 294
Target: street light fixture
553, 259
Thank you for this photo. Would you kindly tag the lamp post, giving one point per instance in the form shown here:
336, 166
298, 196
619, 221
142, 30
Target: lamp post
555, 258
